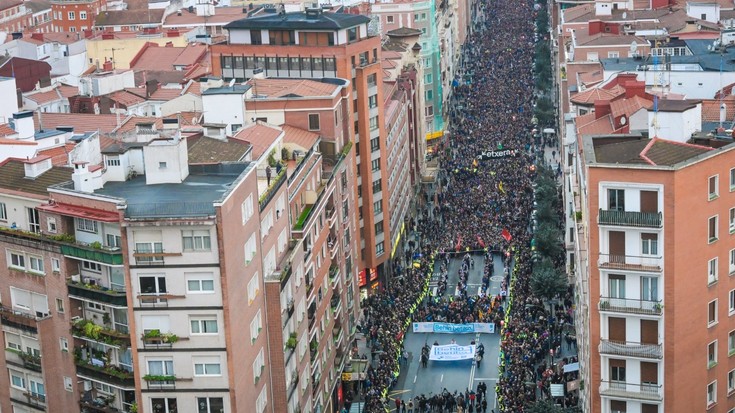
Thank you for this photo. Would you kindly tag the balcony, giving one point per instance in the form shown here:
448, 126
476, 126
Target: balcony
649, 392
157, 339
285, 275
89, 331
160, 382
331, 216
630, 219
96, 369
630, 349
271, 191
293, 385
104, 255
92, 292
16, 319
630, 306
334, 274
336, 304
305, 214
645, 263
96, 406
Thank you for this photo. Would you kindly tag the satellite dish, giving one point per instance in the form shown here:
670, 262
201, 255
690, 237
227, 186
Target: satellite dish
633, 46
623, 120
710, 47
625, 15
232, 82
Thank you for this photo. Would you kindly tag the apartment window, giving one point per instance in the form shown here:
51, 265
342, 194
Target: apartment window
253, 288
712, 354
160, 367
71, 15
258, 366
36, 264
152, 285
3, 212
256, 325
86, 225
379, 228
210, 405
198, 240
649, 244
162, 165
616, 199
59, 305
64, 344
17, 260
68, 384
200, 285
712, 393
712, 271
372, 80
164, 405
352, 34
731, 343
730, 381
379, 248
377, 186
613, 55
374, 123
713, 187
37, 390
314, 121
91, 266
207, 366
428, 79
82, 15
389, 19
712, 229
732, 220
373, 101
17, 380
732, 179
731, 303
375, 164
247, 209
616, 286
712, 313
204, 325
429, 94
732, 262
51, 224
378, 208
374, 144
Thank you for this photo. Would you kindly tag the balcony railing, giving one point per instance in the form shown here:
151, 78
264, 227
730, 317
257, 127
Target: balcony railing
648, 263
110, 256
106, 374
272, 189
89, 331
97, 293
16, 319
630, 218
631, 391
630, 306
630, 349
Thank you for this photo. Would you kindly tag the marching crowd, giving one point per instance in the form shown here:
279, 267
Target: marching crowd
479, 198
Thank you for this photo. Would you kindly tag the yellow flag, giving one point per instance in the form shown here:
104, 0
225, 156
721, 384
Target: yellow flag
500, 187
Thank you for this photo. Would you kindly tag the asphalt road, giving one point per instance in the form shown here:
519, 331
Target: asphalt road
452, 375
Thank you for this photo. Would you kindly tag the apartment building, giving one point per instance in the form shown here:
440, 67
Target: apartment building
652, 261
75, 15
318, 43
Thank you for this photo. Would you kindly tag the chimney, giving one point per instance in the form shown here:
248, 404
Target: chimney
88, 33
23, 124
594, 27
83, 179
150, 87
172, 33
602, 108
37, 36
634, 88
108, 36
34, 167
107, 66
169, 44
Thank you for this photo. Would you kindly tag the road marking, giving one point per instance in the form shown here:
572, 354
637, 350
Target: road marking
486, 379
441, 379
397, 392
414, 378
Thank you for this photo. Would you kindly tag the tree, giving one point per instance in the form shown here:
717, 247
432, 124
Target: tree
548, 237
546, 281
544, 406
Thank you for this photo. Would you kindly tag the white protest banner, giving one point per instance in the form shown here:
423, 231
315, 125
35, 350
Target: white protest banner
430, 327
451, 352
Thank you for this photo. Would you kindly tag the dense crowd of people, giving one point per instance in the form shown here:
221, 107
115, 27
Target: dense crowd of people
479, 197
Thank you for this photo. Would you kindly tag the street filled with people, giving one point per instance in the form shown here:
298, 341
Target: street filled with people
482, 204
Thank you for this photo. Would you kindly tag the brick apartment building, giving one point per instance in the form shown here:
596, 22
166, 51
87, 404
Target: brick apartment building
317, 43
75, 15
652, 262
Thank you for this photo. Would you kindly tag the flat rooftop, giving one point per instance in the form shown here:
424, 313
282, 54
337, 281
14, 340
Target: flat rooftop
195, 197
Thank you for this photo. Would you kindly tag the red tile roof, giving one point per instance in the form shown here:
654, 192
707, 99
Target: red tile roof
589, 96
59, 155
260, 135
630, 106
154, 57
277, 88
81, 212
81, 122
587, 125
6, 130
711, 109
126, 98
300, 137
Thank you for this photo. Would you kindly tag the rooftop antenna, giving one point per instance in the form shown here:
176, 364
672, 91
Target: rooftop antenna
232, 84
633, 48
655, 88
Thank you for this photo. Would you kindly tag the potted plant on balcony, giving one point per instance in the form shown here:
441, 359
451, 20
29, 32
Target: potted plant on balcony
156, 337
291, 342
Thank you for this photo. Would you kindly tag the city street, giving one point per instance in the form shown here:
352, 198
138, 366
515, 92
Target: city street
452, 375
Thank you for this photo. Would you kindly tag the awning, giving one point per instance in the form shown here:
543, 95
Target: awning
81, 212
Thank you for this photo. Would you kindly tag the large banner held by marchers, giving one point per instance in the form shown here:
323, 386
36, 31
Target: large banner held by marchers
469, 328
452, 352
488, 155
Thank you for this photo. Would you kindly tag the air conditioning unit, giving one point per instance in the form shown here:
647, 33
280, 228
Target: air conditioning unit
87, 385
76, 278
